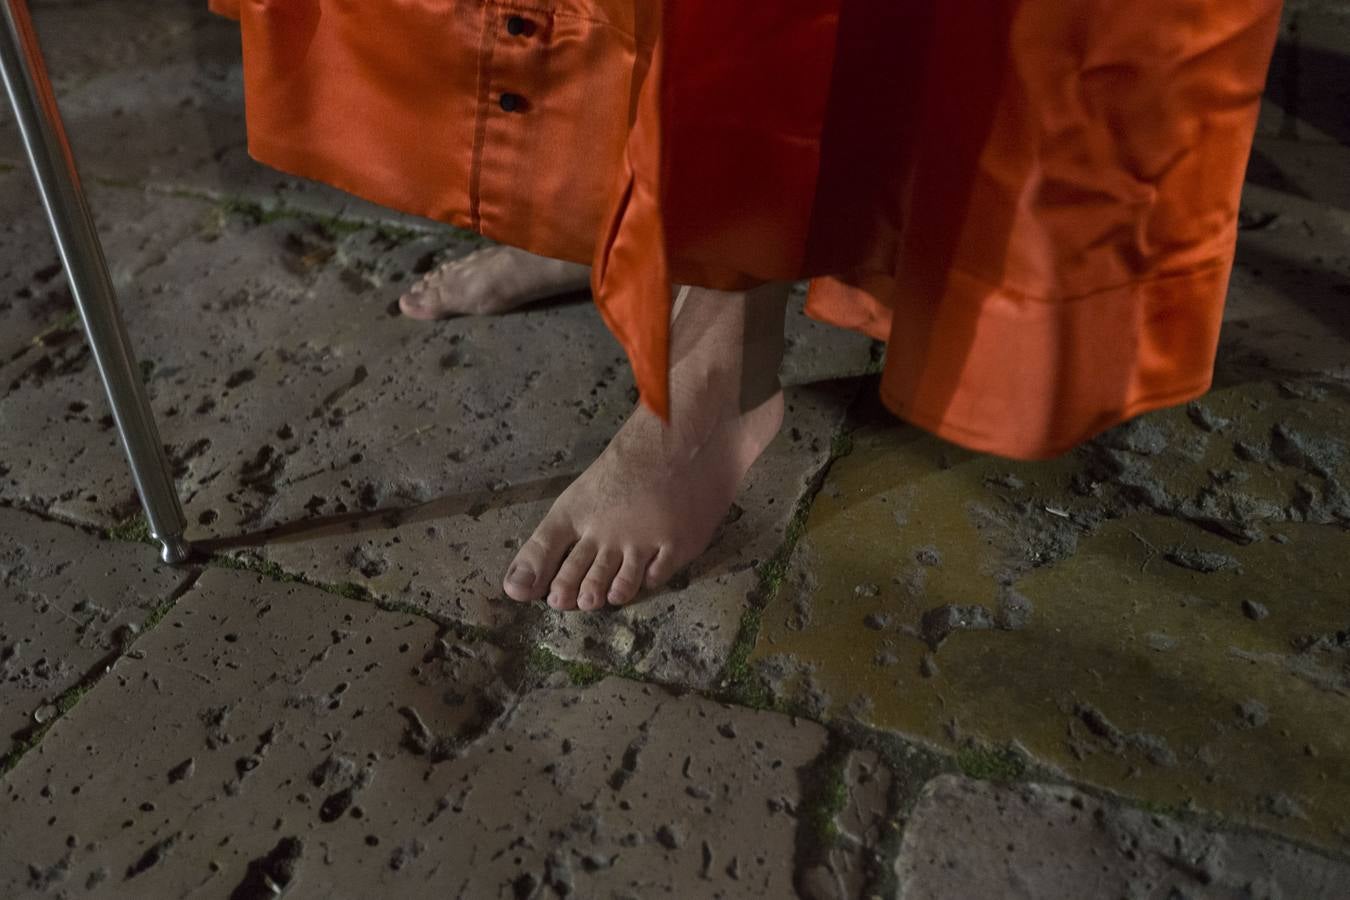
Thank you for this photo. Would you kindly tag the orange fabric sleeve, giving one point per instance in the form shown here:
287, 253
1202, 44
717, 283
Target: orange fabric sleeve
227, 8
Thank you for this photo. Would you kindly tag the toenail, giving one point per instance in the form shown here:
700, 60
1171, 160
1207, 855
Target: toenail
521, 576
587, 601
555, 599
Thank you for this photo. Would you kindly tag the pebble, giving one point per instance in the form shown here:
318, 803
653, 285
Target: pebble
1253, 713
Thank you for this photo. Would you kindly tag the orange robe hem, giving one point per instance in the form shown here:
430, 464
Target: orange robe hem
1033, 203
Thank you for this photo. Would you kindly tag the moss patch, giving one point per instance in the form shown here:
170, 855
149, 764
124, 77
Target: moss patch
134, 530
990, 763
738, 682
30, 739
824, 790
346, 589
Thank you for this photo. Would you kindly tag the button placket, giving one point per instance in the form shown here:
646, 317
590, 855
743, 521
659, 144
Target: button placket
516, 26
517, 57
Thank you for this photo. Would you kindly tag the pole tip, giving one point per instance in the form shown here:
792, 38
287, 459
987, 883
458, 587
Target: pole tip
174, 550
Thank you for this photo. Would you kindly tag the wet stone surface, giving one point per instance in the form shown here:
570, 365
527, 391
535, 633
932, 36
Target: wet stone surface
975, 839
373, 756
68, 604
1103, 611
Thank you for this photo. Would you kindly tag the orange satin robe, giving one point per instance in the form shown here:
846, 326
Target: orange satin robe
1034, 202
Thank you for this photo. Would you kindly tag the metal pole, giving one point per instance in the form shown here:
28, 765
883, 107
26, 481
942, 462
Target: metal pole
44, 137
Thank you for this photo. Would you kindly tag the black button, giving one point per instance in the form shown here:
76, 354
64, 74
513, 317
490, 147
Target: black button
511, 102
516, 25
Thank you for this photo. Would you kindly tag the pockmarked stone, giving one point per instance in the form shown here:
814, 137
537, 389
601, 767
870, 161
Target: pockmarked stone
1099, 610
69, 602
854, 857
969, 838
448, 555
685, 631
37, 310
270, 732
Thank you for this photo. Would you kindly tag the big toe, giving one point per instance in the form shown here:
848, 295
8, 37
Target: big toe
530, 573
415, 304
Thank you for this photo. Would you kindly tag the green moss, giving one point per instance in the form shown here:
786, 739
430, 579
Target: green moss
991, 763
349, 590
833, 795
158, 613
257, 565
583, 674
738, 682
64, 704
256, 213
1171, 810
398, 606
842, 445
824, 795
134, 530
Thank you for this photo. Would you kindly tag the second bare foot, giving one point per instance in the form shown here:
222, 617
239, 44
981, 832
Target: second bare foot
491, 281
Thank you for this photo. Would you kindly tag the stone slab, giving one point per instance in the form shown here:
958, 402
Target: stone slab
68, 603
968, 838
1287, 306
1160, 613
247, 341
136, 229
289, 388
450, 561
33, 295
274, 730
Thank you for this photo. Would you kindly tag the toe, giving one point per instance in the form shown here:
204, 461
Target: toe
628, 581
562, 593
595, 588
535, 565
660, 570
416, 305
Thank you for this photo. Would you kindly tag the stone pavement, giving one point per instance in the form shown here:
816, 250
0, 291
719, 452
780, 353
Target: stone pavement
904, 670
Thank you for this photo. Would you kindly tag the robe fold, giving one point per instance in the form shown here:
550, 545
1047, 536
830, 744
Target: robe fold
1033, 202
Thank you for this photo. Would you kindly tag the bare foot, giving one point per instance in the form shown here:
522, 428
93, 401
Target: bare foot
652, 502
491, 281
